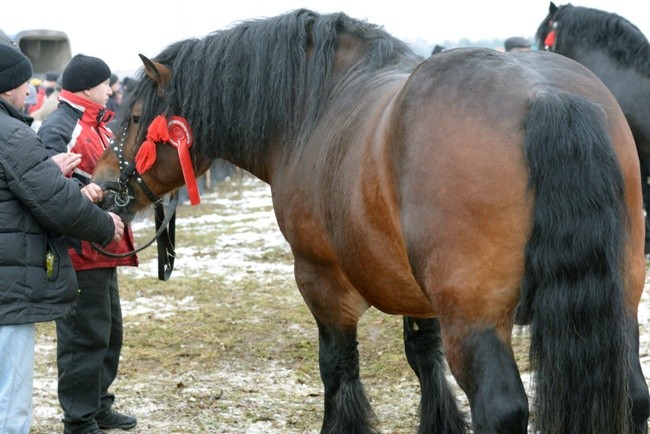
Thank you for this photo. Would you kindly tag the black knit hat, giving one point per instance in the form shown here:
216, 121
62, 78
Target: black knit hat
516, 42
51, 76
84, 72
15, 68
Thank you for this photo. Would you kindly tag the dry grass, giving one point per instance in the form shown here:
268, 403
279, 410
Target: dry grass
209, 352
227, 345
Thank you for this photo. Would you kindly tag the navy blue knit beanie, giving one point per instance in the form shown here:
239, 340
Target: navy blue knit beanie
15, 68
516, 42
84, 72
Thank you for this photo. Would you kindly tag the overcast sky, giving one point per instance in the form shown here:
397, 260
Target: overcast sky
117, 30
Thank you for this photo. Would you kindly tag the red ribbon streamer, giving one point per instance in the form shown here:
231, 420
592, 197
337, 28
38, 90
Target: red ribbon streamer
549, 42
180, 137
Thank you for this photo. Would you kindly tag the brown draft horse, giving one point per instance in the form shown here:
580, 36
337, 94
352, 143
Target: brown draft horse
464, 192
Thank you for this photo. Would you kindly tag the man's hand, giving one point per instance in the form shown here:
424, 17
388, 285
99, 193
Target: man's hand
119, 226
67, 161
93, 192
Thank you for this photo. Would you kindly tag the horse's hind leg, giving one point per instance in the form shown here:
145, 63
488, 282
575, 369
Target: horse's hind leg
347, 409
439, 411
485, 368
640, 400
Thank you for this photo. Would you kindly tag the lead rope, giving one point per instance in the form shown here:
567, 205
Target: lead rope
162, 224
165, 241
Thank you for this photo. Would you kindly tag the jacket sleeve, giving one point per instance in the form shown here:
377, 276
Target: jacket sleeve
54, 135
55, 200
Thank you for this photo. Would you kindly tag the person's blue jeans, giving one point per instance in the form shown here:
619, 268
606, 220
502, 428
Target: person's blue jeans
16, 377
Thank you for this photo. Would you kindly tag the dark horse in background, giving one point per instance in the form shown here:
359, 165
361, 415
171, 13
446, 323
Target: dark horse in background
619, 54
453, 191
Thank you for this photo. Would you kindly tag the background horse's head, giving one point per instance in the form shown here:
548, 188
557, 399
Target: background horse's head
576, 31
547, 30
619, 54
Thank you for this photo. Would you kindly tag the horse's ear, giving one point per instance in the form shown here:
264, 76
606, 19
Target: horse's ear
156, 71
552, 8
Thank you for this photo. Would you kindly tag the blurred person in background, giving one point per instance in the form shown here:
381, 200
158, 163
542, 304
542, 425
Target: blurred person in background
45, 89
517, 43
114, 101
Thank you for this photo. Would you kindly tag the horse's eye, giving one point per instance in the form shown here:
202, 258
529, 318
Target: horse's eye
135, 119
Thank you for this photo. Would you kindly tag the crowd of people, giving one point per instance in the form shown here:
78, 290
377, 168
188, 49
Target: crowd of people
50, 218
44, 97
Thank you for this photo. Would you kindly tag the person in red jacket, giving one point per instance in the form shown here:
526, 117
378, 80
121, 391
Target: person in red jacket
89, 342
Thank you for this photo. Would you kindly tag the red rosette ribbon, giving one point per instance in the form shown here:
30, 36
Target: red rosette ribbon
157, 132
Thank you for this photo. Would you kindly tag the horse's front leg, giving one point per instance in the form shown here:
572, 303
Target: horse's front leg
439, 412
347, 409
337, 309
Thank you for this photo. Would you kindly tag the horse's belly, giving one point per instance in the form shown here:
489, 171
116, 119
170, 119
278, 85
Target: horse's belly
391, 290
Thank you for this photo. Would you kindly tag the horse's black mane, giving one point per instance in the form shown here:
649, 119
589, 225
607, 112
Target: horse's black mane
592, 27
262, 79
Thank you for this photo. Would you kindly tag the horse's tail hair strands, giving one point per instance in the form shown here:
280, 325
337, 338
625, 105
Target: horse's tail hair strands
572, 292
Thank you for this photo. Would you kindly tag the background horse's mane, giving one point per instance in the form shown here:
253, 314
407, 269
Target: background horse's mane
262, 79
593, 27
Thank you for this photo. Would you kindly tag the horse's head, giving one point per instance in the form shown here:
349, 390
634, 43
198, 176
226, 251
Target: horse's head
150, 156
546, 36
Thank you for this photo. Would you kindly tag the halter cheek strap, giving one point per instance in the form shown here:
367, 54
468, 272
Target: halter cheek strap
177, 133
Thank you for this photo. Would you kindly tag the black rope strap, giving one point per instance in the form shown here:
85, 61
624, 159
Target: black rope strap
165, 238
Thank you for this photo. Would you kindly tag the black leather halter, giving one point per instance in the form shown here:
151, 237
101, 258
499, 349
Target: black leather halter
165, 224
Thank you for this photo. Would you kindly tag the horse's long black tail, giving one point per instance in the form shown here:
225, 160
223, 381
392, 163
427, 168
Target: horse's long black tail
572, 293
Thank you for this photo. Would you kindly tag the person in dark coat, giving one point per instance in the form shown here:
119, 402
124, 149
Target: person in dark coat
38, 205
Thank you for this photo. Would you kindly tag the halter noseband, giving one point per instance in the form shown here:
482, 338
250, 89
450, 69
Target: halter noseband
123, 195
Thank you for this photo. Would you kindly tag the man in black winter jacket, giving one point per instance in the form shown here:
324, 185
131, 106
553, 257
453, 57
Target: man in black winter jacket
37, 206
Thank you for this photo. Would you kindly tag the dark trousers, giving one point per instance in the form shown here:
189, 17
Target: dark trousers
89, 342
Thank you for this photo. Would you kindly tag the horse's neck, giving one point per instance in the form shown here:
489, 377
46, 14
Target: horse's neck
262, 168
598, 60
617, 76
